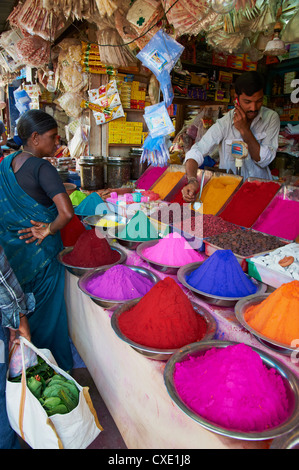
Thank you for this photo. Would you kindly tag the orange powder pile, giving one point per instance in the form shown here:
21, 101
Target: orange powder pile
277, 317
167, 183
216, 192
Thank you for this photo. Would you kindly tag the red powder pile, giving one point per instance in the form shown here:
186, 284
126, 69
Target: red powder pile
91, 251
249, 202
72, 231
164, 318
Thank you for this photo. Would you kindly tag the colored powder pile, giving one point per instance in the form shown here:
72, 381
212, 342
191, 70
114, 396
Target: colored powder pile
150, 176
233, 388
72, 231
91, 251
167, 183
139, 228
222, 275
77, 197
173, 250
164, 318
91, 205
277, 317
216, 192
281, 218
249, 202
119, 283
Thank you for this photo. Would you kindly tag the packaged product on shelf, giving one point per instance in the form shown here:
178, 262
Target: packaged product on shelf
158, 120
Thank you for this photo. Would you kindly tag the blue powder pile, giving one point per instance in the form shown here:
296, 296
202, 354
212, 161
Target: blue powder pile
222, 275
93, 204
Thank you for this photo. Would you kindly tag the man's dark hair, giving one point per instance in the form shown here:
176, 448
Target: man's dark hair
34, 120
249, 83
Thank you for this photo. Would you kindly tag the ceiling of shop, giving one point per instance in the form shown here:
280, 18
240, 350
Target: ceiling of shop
6, 7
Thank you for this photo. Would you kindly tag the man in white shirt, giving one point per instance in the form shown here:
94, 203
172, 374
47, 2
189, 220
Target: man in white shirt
249, 122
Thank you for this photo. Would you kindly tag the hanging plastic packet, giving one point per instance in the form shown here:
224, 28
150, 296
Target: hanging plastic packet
160, 56
155, 151
158, 120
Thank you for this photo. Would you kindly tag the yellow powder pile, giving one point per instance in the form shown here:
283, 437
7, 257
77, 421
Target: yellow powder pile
216, 192
167, 183
277, 317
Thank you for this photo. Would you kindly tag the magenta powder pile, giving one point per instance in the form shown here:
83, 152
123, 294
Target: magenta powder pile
281, 218
150, 176
119, 283
233, 388
173, 250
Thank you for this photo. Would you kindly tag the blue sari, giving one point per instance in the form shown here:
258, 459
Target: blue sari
35, 266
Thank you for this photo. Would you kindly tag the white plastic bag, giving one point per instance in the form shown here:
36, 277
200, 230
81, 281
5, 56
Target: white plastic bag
74, 430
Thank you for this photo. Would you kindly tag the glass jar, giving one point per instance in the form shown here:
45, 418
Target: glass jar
92, 172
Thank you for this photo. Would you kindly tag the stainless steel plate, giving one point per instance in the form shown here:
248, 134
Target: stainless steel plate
78, 271
240, 309
130, 244
184, 271
93, 220
110, 303
289, 379
154, 353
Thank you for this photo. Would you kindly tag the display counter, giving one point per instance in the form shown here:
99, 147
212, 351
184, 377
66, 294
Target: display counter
132, 385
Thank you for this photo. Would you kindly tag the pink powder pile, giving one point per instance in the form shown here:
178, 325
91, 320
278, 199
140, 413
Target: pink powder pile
173, 250
150, 176
233, 388
281, 219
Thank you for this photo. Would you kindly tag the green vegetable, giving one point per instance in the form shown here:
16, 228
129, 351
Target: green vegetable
35, 386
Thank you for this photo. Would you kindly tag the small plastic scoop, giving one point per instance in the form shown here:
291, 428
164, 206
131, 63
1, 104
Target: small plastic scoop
198, 203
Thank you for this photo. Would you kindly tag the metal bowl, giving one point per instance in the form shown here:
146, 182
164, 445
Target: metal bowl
93, 220
78, 271
287, 441
289, 379
240, 309
130, 244
157, 266
154, 353
109, 303
209, 298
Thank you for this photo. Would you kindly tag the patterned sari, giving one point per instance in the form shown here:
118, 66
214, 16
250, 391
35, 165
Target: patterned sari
35, 266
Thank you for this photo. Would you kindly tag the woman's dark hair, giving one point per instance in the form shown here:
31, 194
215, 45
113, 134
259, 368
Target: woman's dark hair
34, 120
249, 83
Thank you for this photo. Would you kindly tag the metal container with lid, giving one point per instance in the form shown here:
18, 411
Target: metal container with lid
138, 168
92, 172
118, 170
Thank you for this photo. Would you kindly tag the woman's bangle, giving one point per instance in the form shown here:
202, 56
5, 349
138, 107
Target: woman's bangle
49, 227
22, 315
192, 179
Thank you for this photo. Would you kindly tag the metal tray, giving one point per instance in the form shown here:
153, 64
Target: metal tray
218, 175
210, 249
110, 303
289, 379
209, 298
240, 309
78, 271
249, 180
287, 192
154, 353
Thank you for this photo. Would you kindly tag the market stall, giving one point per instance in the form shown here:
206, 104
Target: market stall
132, 384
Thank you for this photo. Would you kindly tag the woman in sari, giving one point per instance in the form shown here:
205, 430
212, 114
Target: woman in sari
34, 208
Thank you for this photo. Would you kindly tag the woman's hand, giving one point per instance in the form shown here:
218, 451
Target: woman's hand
189, 192
38, 231
23, 330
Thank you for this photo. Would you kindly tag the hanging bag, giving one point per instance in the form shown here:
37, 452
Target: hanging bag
73, 430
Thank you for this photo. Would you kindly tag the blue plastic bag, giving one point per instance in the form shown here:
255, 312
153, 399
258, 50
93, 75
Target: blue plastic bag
158, 120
